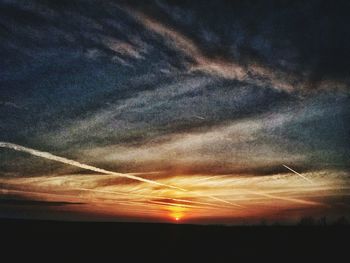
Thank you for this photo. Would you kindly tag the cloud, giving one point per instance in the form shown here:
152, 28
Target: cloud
135, 112
10, 104
216, 66
260, 56
257, 143
188, 47
123, 48
258, 196
21, 202
214, 96
232, 147
52, 157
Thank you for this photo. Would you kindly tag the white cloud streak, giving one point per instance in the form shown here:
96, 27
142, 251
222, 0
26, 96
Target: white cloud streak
302, 176
52, 157
56, 158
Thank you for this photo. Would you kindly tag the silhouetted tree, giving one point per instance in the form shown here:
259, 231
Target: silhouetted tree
322, 221
307, 221
263, 222
276, 223
341, 221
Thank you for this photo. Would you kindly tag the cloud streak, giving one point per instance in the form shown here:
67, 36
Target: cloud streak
258, 196
52, 157
302, 176
215, 66
188, 47
213, 98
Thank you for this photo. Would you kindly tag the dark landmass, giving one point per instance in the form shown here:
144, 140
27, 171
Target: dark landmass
173, 242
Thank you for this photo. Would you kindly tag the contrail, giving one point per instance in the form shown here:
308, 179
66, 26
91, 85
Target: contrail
56, 158
148, 196
302, 176
210, 177
295, 200
221, 200
199, 117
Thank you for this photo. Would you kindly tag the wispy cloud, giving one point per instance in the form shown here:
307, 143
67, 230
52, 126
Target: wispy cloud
259, 73
188, 47
234, 146
257, 196
209, 98
11, 105
77, 164
123, 48
56, 158
212, 65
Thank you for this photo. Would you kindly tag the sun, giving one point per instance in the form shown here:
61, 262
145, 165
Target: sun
177, 213
177, 217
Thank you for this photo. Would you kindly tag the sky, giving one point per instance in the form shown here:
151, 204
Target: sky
174, 111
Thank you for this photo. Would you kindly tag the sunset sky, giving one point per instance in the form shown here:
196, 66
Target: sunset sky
174, 111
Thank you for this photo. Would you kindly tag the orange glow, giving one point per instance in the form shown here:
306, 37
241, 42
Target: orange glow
258, 196
177, 212
177, 216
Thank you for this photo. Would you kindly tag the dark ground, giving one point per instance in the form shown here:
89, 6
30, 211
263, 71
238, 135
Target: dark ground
112, 242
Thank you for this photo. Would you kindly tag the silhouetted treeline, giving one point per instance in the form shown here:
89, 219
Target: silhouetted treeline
311, 221
323, 221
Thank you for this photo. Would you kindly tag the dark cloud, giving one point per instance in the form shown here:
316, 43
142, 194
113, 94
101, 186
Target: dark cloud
18, 201
306, 40
85, 76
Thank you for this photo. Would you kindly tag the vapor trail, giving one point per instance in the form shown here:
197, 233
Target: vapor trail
302, 176
56, 158
149, 196
294, 200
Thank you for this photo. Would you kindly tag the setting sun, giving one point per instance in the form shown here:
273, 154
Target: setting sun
177, 212
176, 217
